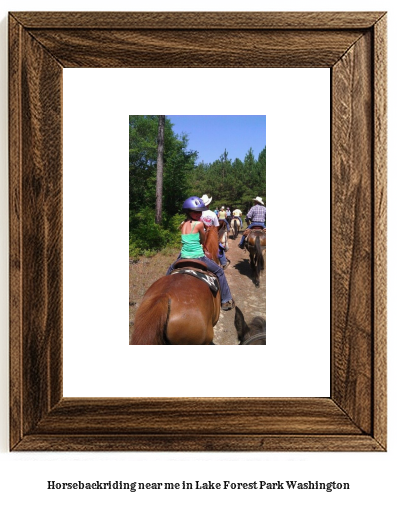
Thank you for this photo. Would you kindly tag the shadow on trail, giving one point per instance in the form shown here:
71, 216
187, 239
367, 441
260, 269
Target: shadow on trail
231, 234
243, 267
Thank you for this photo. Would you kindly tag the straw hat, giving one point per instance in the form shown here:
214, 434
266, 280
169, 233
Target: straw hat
259, 199
206, 199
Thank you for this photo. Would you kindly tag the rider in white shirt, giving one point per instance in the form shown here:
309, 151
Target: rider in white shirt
237, 214
208, 217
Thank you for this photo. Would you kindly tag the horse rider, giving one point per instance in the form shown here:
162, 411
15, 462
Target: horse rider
237, 214
193, 237
228, 215
257, 217
208, 217
222, 216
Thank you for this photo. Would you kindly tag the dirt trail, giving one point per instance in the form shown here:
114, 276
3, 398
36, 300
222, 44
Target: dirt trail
250, 299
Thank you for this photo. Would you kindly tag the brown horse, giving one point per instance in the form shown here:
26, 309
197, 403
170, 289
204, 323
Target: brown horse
254, 334
178, 309
235, 225
255, 244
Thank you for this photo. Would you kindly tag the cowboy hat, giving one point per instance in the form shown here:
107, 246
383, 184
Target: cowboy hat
206, 199
259, 199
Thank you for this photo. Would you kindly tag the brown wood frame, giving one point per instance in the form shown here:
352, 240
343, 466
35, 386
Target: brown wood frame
353, 46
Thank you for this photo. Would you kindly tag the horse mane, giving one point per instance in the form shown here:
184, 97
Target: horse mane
151, 321
257, 325
212, 243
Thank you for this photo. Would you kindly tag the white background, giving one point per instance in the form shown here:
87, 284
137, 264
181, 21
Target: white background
23, 476
97, 358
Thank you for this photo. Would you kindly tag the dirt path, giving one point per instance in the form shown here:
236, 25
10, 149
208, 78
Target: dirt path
250, 300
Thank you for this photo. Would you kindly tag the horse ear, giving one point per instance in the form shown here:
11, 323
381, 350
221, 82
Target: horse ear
240, 324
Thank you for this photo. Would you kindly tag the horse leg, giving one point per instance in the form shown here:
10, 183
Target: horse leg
253, 267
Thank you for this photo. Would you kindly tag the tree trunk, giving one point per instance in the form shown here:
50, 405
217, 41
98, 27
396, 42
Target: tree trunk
160, 165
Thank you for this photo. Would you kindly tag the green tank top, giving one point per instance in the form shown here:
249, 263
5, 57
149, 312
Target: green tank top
191, 246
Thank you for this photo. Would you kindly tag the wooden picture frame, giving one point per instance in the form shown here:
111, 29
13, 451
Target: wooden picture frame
353, 46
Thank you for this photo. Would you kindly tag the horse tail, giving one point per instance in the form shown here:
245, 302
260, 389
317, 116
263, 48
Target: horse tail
260, 263
151, 321
235, 228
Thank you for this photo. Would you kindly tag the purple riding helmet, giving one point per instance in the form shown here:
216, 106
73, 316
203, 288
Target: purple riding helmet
194, 204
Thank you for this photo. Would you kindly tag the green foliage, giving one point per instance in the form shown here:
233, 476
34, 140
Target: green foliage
147, 236
233, 183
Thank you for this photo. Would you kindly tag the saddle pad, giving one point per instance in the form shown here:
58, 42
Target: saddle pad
211, 281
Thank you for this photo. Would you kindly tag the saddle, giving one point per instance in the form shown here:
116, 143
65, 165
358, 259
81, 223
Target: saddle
255, 228
198, 269
190, 263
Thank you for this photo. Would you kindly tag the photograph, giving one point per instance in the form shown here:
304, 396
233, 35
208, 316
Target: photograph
197, 230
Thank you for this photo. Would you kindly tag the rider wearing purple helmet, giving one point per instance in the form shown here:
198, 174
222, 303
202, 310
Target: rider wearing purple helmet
193, 237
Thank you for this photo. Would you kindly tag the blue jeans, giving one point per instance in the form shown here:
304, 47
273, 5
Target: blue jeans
218, 271
252, 224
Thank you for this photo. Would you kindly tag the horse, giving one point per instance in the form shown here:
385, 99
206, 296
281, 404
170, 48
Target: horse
235, 225
254, 334
178, 309
255, 244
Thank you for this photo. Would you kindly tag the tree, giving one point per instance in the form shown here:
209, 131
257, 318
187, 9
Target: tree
261, 174
160, 168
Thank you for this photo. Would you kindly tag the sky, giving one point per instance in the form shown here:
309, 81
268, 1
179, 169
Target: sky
211, 135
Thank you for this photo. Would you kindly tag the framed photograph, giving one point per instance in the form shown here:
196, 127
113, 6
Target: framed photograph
353, 46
